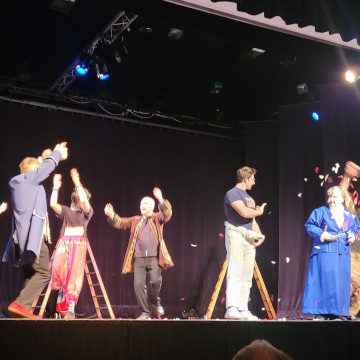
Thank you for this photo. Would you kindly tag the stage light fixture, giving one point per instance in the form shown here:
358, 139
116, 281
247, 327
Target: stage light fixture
352, 75
81, 69
101, 71
315, 115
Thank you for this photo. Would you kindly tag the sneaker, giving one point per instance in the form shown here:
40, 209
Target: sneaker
69, 315
232, 313
17, 310
159, 311
144, 316
247, 315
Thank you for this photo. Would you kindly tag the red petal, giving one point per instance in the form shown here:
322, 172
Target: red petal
316, 169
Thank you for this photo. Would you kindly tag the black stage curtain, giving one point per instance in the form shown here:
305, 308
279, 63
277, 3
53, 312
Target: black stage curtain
261, 152
300, 152
120, 163
339, 16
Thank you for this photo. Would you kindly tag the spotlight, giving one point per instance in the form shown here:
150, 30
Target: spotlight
352, 75
315, 116
81, 69
101, 71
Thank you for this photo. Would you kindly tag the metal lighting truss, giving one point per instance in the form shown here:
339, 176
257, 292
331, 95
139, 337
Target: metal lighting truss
108, 35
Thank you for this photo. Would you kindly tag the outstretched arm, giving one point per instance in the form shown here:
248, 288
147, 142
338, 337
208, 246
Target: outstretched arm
247, 212
54, 195
84, 201
115, 220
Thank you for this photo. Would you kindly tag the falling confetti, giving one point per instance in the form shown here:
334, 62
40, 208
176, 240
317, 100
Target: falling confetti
326, 177
321, 177
193, 245
299, 195
351, 185
330, 179
272, 297
305, 179
221, 235
340, 176
287, 259
182, 299
222, 300
269, 212
273, 262
322, 183
279, 299
263, 309
316, 169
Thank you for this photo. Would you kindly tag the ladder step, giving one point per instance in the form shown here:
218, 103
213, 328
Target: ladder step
91, 272
97, 296
88, 261
96, 284
101, 307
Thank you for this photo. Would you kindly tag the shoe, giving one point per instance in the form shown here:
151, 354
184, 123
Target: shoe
232, 313
17, 310
159, 311
247, 315
69, 315
144, 316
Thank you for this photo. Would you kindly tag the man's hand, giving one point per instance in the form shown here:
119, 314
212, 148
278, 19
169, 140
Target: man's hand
3, 207
260, 209
63, 150
158, 195
109, 211
75, 177
57, 181
259, 240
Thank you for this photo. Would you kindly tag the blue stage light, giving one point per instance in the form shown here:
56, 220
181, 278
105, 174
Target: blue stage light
104, 76
101, 70
81, 69
315, 116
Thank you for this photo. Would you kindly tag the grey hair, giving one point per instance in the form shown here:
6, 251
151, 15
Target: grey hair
331, 190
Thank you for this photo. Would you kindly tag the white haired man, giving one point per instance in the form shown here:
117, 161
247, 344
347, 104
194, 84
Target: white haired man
146, 251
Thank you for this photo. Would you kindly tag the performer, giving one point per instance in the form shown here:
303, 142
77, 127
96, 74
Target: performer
3, 207
333, 228
27, 245
352, 172
146, 251
242, 236
69, 259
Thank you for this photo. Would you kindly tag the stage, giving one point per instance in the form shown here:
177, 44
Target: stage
174, 339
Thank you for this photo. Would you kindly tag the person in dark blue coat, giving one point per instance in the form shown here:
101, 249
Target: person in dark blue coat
333, 228
27, 246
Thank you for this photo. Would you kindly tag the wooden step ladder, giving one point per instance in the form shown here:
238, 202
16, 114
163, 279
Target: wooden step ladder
260, 283
93, 284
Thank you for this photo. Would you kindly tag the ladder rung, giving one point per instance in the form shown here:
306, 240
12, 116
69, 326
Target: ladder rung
91, 272
88, 261
99, 296
101, 307
96, 284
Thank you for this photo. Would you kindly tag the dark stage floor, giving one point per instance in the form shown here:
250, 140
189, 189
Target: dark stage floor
173, 339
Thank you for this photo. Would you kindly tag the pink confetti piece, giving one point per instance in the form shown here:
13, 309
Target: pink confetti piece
222, 300
182, 299
330, 179
269, 212
221, 235
316, 169
315, 302
272, 297
340, 176
351, 185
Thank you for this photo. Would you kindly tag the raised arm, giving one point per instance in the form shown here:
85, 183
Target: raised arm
48, 165
164, 206
121, 223
84, 201
54, 195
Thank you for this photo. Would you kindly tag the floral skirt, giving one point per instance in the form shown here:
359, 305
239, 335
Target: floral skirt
67, 274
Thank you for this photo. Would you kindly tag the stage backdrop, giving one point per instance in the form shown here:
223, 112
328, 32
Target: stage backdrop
120, 163
304, 168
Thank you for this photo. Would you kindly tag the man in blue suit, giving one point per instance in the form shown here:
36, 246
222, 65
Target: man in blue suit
27, 246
